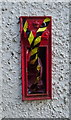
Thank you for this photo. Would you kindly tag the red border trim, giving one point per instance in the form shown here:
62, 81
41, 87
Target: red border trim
49, 85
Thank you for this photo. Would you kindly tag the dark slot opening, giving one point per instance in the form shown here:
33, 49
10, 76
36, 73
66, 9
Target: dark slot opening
42, 56
32, 73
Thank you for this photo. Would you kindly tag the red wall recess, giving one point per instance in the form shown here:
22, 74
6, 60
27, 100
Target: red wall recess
36, 53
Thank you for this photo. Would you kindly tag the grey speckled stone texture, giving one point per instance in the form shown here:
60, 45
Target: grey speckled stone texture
12, 105
70, 55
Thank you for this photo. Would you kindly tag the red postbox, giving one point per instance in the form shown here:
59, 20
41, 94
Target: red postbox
36, 54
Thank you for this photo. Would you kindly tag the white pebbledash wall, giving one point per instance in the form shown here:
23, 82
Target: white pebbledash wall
12, 105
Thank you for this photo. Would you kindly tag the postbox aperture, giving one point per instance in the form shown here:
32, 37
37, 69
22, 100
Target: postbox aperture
36, 59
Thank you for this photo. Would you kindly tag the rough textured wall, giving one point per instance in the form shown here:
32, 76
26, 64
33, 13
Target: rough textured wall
12, 105
70, 57
0, 62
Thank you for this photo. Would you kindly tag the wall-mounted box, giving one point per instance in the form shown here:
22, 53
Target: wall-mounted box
36, 57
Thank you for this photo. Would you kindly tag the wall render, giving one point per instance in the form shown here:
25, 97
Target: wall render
12, 105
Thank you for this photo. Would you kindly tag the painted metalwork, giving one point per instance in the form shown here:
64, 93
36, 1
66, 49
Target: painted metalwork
36, 51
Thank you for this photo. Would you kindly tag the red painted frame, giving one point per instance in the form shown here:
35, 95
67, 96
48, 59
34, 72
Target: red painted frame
48, 45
